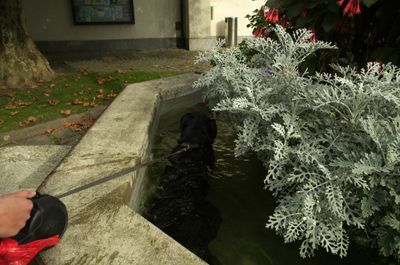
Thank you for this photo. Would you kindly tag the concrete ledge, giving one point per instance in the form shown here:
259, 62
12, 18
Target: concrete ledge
102, 228
25, 167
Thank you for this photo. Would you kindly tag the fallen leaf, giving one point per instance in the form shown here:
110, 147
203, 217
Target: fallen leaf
80, 125
50, 130
34, 86
1, 122
46, 94
111, 94
53, 102
28, 121
10, 105
13, 113
67, 124
84, 71
52, 85
100, 91
22, 104
66, 112
102, 80
77, 101
31, 119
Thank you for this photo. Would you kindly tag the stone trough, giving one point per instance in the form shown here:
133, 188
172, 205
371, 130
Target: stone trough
105, 225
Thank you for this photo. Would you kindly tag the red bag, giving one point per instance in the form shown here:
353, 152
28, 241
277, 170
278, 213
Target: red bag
13, 254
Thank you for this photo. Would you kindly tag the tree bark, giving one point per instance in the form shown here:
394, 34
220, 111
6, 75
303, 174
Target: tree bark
21, 63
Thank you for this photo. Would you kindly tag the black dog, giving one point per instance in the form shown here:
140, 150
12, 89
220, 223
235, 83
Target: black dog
180, 209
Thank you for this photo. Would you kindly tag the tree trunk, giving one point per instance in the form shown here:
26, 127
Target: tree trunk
21, 63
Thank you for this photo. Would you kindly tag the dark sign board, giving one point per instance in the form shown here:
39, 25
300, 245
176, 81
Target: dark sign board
102, 11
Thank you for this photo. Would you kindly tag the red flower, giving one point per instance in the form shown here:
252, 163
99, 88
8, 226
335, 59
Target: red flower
340, 2
261, 32
352, 7
283, 22
313, 38
257, 32
272, 15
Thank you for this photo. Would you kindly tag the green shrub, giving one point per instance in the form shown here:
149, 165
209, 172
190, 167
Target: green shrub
330, 142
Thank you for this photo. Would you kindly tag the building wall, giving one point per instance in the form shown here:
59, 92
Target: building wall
50, 23
51, 20
232, 8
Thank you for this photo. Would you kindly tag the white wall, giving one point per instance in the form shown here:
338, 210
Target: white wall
233, 8
51, 20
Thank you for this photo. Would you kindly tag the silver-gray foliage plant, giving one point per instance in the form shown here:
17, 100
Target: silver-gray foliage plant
330, 142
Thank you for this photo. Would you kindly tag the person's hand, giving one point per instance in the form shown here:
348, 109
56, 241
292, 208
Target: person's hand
15, 210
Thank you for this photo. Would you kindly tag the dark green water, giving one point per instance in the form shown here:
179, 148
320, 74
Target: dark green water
236, 188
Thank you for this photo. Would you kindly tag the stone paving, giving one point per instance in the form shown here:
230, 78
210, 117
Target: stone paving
135, 60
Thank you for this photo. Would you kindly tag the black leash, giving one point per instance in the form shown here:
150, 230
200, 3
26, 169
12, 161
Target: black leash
186, 147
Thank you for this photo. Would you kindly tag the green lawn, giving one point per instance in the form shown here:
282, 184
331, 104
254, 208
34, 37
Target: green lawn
65, 95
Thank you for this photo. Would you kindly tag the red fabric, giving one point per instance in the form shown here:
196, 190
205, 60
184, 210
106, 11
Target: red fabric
13, 254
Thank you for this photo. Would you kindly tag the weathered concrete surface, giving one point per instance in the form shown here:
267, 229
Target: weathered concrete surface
103, 229
25, 167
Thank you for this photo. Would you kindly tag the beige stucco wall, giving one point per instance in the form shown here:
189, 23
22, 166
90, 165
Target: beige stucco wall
51, 20
232, 8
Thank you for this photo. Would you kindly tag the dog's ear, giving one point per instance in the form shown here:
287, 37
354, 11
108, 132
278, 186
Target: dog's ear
185, 120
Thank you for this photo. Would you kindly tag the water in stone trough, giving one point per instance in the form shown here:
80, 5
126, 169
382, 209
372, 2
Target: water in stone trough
236, 188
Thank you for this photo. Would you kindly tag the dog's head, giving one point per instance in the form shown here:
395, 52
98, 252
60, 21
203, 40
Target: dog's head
197, 128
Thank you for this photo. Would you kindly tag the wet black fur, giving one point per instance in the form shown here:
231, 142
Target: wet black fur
181, 209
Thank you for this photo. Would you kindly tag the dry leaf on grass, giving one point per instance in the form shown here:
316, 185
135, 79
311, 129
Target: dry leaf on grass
52, 85
66, 112
102, 80
47, 92
17, 105
84, 102
53, 102
84, 71
80, 125
111, 94
28, 121
1, 122
13, 113
10, 105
